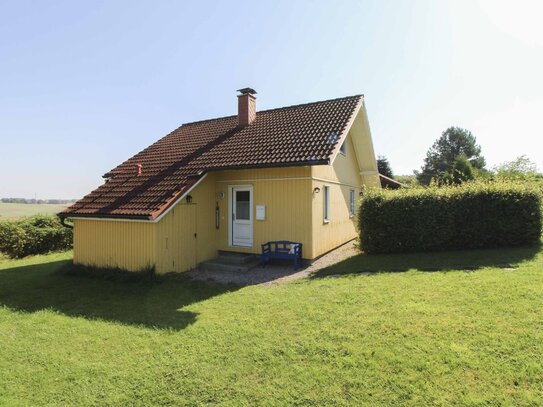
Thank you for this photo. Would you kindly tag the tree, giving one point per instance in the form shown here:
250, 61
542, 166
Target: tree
521, 168
441, 157
462, 170
383, 166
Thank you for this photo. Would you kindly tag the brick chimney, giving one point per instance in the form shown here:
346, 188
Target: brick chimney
246, 106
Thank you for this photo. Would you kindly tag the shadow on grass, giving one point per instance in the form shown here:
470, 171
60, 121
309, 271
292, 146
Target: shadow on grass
437, 261
153, 304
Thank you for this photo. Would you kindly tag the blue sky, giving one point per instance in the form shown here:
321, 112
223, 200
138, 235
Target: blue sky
85, 85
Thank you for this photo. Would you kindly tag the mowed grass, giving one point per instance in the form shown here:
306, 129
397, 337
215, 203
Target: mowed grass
10, 211
470, 333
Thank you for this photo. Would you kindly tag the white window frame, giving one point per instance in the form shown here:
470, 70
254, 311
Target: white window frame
326, 204
343, 148
231, 189
352, 202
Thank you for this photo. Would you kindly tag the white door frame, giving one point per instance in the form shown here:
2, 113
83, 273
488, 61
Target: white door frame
231, 189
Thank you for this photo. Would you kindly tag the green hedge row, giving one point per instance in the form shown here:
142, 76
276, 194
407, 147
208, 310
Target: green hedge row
472, 216
34, 235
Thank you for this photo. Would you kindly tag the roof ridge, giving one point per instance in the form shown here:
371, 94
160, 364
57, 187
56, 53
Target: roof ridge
310, 103
275, 109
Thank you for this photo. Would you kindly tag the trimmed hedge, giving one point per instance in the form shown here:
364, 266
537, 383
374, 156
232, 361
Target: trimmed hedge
471, 216
34, 235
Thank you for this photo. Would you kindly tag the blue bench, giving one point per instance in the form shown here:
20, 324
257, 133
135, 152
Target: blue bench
282, 249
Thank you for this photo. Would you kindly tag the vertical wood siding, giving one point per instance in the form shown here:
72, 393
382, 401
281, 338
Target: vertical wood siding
341, 227
365, 154
178, 249
111, 244
345, 168
286, 194
176, 244
340, 177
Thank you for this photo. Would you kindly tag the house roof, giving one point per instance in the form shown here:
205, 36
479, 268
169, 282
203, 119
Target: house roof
307, 134
390, 183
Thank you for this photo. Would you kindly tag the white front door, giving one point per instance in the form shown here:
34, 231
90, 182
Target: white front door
242, 216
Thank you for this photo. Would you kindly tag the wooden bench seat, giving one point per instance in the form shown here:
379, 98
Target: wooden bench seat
282, 249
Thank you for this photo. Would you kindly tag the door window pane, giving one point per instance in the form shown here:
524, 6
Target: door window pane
243, 205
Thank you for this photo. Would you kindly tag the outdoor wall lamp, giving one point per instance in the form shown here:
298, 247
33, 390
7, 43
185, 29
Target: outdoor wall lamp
189, 198
316, 190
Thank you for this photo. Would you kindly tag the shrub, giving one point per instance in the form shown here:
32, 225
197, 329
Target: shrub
472, 216
34, 235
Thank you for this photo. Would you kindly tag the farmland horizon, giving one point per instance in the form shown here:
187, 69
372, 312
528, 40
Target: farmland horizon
37, 200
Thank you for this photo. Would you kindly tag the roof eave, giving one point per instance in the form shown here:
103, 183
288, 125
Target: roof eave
343, 135
65, 215
152, 217
158, 214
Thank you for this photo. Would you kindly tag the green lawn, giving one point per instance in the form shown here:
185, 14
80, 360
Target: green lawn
15, 210
469, 332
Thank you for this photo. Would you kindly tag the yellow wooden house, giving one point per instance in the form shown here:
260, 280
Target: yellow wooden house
232, 184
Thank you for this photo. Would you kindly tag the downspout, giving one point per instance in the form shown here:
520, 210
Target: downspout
62, 222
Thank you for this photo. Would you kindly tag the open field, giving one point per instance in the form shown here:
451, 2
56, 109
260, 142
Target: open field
15, 210
469, 332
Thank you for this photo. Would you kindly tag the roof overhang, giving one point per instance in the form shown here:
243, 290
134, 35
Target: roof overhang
345, 133
176, 198
154, 217
391, 183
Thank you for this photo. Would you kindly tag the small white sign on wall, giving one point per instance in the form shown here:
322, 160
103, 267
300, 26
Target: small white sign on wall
260, 212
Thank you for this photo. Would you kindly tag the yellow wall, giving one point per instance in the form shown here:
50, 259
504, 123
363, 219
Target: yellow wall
341, 226
111, 244
176, 246
341, 177
345, 168
351, 171
168, 245
363, 148
286, 194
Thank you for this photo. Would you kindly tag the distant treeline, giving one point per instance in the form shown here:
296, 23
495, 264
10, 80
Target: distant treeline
37, 201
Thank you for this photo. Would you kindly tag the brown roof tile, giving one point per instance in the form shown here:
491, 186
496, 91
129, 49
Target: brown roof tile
289, 136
